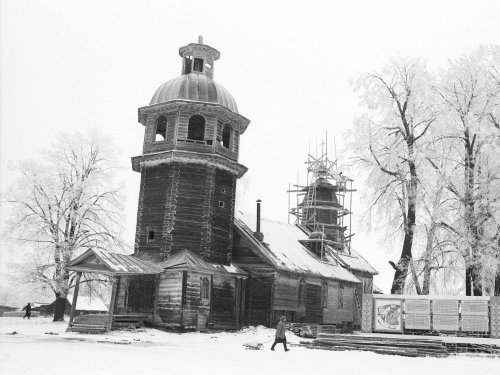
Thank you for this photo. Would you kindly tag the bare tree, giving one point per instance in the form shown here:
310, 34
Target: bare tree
63, 204
389, 142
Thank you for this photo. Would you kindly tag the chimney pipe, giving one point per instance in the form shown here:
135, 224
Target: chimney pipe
258, 234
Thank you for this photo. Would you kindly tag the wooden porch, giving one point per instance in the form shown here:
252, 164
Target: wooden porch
115, 266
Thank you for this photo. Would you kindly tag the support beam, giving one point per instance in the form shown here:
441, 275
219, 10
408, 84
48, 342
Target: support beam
112, 303
75, 298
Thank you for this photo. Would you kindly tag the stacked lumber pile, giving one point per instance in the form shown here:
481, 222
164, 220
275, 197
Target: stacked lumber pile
382, 345
464, 347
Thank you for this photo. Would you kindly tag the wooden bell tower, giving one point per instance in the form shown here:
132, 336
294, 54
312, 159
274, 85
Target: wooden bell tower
189, 164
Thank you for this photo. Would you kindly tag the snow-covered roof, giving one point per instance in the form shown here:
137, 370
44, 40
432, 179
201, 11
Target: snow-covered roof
100, 261
283, 249
186, 260
355, 261
88, 303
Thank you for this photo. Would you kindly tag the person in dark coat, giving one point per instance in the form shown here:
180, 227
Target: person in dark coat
280, 334
27, 308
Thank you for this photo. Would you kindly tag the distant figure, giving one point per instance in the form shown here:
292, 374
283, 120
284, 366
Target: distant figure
27, 308
280, 334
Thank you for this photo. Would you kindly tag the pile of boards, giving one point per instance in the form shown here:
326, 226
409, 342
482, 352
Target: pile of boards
381, 345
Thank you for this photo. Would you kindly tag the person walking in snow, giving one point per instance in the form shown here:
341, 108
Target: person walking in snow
27, 308
280, 334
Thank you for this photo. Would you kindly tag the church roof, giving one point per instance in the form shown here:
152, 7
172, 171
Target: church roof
283, 250
194, 87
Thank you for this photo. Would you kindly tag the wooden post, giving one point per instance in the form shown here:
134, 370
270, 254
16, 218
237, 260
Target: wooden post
112, 304
237, 298
75, 297
157, 291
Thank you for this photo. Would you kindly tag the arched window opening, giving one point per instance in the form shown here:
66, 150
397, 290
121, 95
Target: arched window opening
196, 128
198, 65
226, 136
204, 288
161, 129
187, 64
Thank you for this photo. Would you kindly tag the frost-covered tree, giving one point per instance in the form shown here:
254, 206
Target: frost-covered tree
389, 142
469, 91
61, 204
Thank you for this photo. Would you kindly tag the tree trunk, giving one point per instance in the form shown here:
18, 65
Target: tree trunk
59, 308
497, 285
398, 284
472, 273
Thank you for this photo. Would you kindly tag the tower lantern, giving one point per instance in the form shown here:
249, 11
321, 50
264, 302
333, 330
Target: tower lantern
189, 164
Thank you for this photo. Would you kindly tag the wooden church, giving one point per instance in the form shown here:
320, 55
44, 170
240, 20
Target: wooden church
199, 264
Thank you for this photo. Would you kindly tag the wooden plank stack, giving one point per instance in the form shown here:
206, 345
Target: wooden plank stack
382, 345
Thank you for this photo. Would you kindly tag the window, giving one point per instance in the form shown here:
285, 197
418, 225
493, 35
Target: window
302, 287
151, 236
341, 296
187, 64
196, 128
204, 288
161, 129
325, 295
198, 65
221, 204
226, 136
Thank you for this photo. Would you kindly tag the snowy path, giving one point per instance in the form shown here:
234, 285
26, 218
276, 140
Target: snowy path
155, 352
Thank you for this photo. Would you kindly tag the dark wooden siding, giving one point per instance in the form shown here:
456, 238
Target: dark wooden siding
286, 293
189, 215
187, 206
333, 314
223, 302
222, 216
259, 301
155, 182
192, 304
314, 312
169, 300
248, 259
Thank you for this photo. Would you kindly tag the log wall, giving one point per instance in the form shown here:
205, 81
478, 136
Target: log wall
223, 302
169, 301
187, 206
259, 301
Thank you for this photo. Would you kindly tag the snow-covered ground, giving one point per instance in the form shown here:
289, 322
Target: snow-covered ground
33, 350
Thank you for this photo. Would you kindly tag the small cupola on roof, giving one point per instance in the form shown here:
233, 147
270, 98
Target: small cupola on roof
198, 58
196, 82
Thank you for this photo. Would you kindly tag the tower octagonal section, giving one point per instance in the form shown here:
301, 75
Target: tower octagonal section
189, 164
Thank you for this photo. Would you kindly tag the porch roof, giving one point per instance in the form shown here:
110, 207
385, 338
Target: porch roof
112, 264
186, 260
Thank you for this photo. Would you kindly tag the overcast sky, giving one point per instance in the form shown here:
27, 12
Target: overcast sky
73, 65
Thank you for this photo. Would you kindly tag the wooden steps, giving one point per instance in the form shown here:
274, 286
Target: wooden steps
383, 345
87, 328
130, 320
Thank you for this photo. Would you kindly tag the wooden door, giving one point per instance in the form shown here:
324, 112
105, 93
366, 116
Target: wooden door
141, 294
314, 311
